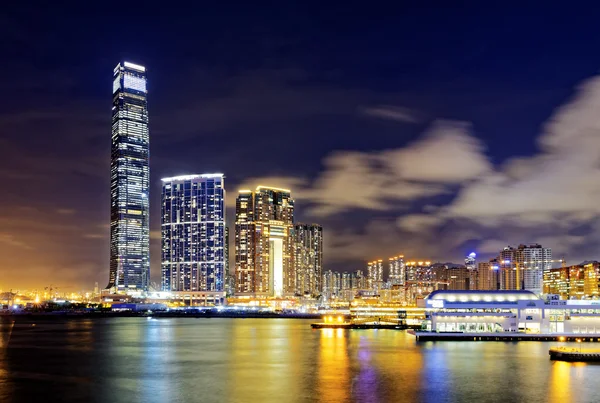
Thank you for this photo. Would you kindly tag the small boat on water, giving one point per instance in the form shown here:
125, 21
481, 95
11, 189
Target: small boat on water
574, 354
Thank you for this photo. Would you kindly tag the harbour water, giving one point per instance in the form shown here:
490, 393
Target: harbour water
270, 360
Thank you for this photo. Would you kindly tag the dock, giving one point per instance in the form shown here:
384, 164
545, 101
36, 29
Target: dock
506, 336
574, 354
358, 326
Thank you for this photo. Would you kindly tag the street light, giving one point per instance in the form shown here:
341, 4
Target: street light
579, 341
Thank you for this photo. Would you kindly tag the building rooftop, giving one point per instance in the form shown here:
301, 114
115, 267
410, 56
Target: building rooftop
478, 295
191, 177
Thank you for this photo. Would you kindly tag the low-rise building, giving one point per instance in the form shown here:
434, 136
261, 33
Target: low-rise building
509, 311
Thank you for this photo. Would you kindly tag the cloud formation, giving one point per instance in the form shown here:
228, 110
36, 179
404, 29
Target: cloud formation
390, 112
550, 197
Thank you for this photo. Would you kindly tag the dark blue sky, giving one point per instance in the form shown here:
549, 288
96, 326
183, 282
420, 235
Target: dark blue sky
281, 90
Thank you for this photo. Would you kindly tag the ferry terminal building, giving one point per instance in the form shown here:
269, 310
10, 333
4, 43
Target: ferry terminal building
509, 311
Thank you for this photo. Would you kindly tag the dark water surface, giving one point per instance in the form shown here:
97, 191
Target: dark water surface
270, 360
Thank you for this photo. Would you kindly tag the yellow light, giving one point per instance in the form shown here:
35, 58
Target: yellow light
561, 338
272, 188
420, 263
340, 319
427, 263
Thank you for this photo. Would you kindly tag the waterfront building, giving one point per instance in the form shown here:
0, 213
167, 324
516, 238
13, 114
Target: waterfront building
308, 258
129, 182
375, 275
264, 242
193, 233
523, 267
397, 274
509, 311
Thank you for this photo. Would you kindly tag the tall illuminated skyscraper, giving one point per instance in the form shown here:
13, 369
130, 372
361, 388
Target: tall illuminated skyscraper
264, 242
129, 181
308, 258
193, 233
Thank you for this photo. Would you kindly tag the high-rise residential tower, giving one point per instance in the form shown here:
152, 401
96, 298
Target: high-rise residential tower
375, 275
308, 258
264, 242
129, 182
397, 273
522, 268
193, 233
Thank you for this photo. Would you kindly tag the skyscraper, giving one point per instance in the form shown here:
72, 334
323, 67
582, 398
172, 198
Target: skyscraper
397, 273
375, 275
129, 181
193, 233
308, 258
523, 267
244, 242
264, 242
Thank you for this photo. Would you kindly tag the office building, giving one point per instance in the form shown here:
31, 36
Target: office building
308, 258
193, 233
556, 282
264, 242
129, 182
573, 282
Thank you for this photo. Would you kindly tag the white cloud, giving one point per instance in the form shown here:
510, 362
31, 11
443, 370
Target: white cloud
418, 222
447, 153
390, 112
563, 179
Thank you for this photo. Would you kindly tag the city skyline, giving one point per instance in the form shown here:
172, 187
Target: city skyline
384, 146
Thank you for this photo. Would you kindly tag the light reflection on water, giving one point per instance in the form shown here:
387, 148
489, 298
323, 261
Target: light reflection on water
271, 360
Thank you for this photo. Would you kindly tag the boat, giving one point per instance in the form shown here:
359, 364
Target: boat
574, 354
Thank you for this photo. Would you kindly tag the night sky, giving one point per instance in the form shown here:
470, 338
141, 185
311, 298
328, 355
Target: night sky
427, 130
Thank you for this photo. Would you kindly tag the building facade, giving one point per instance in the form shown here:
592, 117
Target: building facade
193, 233
397, 274
509, 311
522, 268
375, 275
487, 275
308, 258
265, 242
573, 282
129, 182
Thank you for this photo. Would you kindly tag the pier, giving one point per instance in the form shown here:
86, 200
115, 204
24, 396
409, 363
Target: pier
505, 336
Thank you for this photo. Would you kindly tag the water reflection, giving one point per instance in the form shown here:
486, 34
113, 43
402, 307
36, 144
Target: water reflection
263, 360
267, 361
560, 382
6, 389
333, 371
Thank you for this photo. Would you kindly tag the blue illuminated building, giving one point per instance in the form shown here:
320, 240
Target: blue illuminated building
129, 182
193, 233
